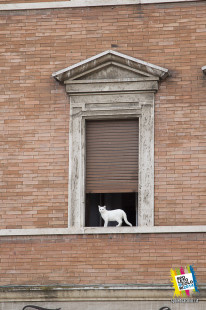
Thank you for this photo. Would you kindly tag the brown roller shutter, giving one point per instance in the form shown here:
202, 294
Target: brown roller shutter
112, 156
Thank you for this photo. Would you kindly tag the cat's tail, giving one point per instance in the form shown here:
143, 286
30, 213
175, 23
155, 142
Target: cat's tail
125, 219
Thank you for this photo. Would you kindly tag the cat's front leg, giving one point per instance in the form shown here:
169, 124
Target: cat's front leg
105, 223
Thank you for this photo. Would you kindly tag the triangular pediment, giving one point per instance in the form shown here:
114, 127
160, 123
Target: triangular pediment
110, 65
112, 70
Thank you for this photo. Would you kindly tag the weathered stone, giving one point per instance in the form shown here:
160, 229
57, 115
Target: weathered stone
111, 85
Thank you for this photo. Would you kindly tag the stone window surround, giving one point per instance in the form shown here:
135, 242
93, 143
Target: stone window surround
111, 85
81, 110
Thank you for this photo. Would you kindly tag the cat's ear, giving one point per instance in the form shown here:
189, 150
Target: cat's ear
104, 207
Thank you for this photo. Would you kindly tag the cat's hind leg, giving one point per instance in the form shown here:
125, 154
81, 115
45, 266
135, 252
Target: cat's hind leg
119, 223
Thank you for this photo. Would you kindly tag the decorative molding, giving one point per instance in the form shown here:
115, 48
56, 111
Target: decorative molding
111, 85
106, 58
69, 293
103, 230
62, 295
105, 296
80, 3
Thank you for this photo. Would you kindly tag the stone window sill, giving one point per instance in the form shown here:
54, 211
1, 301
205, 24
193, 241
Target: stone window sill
103, 230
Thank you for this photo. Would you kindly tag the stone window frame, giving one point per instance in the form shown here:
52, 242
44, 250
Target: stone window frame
96, 94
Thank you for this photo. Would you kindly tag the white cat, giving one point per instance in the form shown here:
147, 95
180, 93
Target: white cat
113, 215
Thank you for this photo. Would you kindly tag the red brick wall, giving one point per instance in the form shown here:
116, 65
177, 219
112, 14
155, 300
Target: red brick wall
117, 259
34, 108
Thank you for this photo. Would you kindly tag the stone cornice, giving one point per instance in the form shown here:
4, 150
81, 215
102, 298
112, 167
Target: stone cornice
127, 292
98, 61
80, 3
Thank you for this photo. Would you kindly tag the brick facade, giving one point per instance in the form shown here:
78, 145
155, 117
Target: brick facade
34, 128
97, 259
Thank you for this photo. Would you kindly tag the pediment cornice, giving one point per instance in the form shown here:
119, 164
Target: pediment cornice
102, 65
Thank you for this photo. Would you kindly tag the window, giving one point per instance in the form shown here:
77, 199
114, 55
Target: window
107, 92
112, 151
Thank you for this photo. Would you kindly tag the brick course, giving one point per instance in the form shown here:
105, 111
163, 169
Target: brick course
119, 259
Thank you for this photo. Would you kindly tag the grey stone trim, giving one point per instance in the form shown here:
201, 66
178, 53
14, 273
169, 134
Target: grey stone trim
111, 85
204, 69
103, 230
106, 105
106, 86
93, 294
79, 3
85, 293
94, 62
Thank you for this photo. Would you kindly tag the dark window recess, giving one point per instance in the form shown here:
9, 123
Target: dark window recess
112, 149
124, 201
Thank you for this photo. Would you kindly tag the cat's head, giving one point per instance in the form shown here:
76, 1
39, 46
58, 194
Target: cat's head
102, 209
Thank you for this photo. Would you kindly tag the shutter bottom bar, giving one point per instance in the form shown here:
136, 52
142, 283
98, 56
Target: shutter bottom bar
105, 191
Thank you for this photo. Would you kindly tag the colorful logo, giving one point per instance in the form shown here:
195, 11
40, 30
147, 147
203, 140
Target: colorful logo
184, 281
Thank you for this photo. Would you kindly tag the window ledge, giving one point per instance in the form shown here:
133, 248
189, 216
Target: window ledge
103, 230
